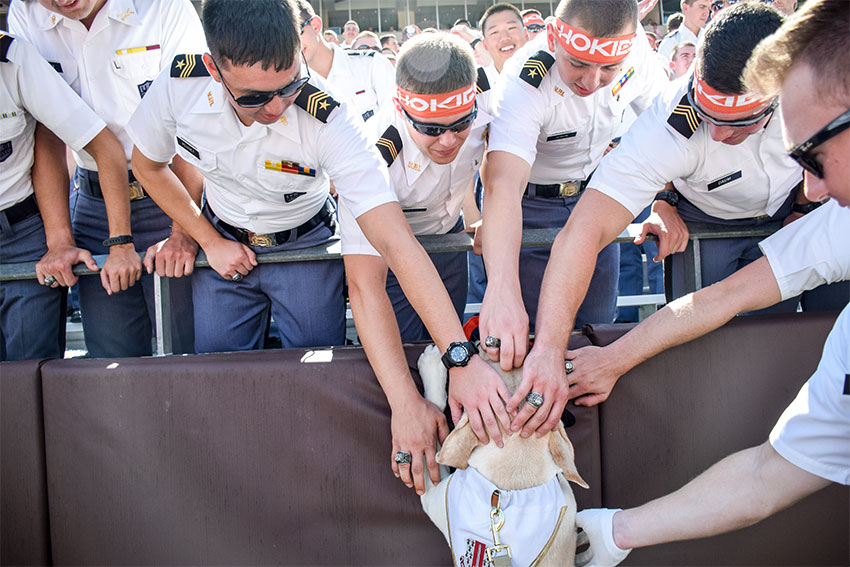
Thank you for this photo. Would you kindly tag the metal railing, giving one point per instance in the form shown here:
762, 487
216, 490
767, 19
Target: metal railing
457, 242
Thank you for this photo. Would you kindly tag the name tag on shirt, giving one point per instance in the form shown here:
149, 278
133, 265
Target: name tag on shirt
56, 65
724, 180
562, 136
188, 147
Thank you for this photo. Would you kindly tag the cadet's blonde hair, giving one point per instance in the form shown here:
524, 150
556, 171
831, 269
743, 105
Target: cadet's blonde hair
435, 63
817, 35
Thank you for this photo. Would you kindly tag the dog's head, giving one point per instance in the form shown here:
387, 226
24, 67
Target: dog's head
522, 462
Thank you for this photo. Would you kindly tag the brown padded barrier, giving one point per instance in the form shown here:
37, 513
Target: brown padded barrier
275, 457
24, 531
678, 413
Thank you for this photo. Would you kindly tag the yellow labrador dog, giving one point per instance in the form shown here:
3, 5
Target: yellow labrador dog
508, 506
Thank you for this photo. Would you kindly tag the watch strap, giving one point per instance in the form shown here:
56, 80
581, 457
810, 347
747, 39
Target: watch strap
669, 197
116, 240
805, 208
470, 348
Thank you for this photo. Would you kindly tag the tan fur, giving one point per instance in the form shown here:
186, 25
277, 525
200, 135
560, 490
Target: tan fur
521, 463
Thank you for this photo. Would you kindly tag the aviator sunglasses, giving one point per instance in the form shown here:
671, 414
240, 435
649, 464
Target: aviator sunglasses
803, 153
435, 130
258, 99
733, 123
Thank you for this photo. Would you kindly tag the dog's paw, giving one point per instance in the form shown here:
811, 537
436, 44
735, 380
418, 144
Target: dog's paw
434, 376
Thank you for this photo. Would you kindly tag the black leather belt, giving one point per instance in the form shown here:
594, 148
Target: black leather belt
324, 216
557, 190
21, 211
92, 185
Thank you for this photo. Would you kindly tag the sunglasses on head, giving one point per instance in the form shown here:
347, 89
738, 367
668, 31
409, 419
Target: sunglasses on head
535, 27
435, 130
258, 99
743, 123
802, 153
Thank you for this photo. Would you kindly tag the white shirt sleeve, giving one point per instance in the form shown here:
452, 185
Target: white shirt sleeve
153, 126
41, 87
520, 111
649, 155
813, 433
810, 251
184, 34
383, 80
17, 23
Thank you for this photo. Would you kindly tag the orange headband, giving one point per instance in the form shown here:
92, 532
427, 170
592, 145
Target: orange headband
715, 101
604, 50
437, 105
532, 18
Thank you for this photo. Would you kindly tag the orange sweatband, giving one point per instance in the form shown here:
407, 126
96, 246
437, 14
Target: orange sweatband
603, 50
532, 18
715, 101
437, 105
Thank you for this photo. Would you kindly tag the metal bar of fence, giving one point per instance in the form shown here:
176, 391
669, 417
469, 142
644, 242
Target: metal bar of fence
458, 242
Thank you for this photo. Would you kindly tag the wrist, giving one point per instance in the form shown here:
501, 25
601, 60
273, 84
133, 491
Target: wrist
121, 248
118, 240
63, 241
474, 42
619, 528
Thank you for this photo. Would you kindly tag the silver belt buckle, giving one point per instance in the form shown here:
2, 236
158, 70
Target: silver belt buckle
569, 188
264, 240
136, 191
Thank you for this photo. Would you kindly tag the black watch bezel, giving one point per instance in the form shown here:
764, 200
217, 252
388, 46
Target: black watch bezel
669, 197
805, 208
468, 347
117, 240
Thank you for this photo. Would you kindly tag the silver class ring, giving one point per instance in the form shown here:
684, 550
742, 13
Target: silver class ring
534, 399
403, 458
492, 342
49, 281
237, 277
569, 366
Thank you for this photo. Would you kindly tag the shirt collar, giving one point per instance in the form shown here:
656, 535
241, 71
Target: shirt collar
123, 11
413, 160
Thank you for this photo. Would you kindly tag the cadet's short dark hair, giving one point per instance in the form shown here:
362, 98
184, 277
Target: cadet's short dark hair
495, 9
246, 32
305, 10
600, 19
729, 40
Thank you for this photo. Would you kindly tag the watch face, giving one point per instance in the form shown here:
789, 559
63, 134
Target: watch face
458, 354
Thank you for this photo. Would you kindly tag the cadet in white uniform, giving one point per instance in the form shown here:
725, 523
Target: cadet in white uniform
34, 216
433, 149
559, 103
809, 60
110, 52
364, 80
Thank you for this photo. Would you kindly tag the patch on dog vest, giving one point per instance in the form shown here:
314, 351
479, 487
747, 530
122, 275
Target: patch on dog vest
389, 144
316, 102
532, 518
536, 67
483, 83
189, 65
5, 43
684, 119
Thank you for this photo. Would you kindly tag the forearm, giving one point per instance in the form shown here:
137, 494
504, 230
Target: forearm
696, 314
50, 182
739, 491
112, 172
377, 328
192, 180
173, 198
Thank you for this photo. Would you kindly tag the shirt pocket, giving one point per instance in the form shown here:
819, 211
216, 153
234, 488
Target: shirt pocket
199, 156
67, 68
287, 179
136, 72
12, 122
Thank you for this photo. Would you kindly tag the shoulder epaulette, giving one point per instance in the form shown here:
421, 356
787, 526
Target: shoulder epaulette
316, 102
536, 67
189, 65
364, 52
483, 83
5, 43
684, 118
389, 144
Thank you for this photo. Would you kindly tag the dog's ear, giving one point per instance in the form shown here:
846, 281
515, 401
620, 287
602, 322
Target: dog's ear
458, 445
564, 455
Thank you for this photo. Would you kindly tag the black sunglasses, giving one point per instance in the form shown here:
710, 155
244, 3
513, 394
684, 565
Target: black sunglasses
733, 123
535, 27
435, 130
258, 99
802, 153
304, 23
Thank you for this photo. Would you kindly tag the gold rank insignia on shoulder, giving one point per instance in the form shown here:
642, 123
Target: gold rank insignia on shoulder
389, 144
536, 67
189, 65
316, 102
684, 118
483, 83
623, 80
286, 166
5, 42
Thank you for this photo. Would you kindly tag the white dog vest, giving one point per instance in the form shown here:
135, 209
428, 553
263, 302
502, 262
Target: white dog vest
532, 517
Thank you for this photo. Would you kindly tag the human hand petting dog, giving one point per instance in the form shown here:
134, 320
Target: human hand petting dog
479, 390
598, 524
596, 372
543, 374
417, 425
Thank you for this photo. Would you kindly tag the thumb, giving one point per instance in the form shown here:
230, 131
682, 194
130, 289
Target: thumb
457, 411
86, 257
149, 257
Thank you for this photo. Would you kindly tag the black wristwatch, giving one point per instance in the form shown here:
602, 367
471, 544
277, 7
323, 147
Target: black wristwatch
805, 208
116, 240
669, 197
458, 354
